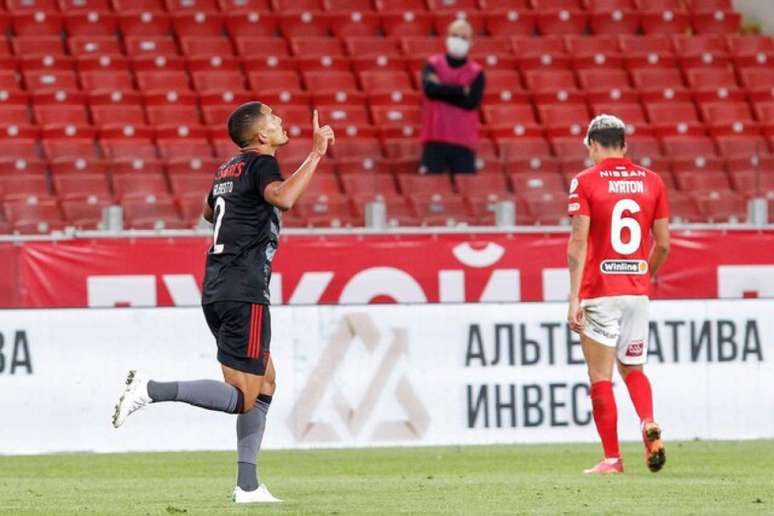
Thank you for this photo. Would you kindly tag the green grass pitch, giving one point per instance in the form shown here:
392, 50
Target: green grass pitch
699, 478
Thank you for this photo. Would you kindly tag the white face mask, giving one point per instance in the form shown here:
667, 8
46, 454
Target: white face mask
457, 47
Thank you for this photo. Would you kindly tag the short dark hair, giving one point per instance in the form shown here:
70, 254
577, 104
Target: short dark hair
241, 121
609, 137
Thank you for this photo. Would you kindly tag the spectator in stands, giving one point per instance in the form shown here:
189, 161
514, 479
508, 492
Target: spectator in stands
453, 86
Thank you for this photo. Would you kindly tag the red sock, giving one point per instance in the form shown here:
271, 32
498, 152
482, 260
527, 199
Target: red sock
639, 390
606, 417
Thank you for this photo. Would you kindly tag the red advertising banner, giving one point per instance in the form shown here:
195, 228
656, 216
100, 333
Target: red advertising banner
349, 269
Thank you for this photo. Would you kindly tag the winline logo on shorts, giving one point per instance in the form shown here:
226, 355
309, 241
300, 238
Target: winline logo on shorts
639, 267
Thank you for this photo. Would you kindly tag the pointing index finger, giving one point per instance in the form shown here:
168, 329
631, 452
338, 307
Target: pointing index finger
315, 121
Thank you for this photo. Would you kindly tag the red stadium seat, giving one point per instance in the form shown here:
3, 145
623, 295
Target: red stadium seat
758, 78
137, 165
60, 141
539, 81
25, 187
717, 22
59, 107
91, 23
250, 23
366, 187
615, 21
206, 46
480, 187
753, 183
508, 115
741, 146
14, 107
422, 46
180, 141
216, 73
441, 210
372, 46
702, 181
137, 185
217, 106
407, 23
306, 23
197, 24
18, 141
192, 5
138, 5
296, 5
548, 208
343, 115
127, 141
19, 6
677, 146
324, 211
348, 5
726, 112
562, 22
508, 22
750, 45
78, 166
671, 113
150, 46
355, 23
376, 81
171, 107
37, 23
379, 64
720, 206
397, 5
247, 46
516, 148
396, 115
699, 164
38, 46
425, 186
570, 117
144, 23
537, 182
152, 212
698, 6
316, 46
329, 81
94, 45
199, 166
116, 107
191, 184
82, 186
84, 214
34, 215
263, 81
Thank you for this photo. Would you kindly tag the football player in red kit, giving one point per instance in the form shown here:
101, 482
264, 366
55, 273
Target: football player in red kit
615, 205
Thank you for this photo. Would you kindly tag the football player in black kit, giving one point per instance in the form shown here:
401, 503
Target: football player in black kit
245, 204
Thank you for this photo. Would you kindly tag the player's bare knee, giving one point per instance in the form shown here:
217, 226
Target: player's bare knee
249, 403
624, 369
269, 386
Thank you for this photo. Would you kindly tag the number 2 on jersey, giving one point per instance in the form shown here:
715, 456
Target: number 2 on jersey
220, 211
619, 222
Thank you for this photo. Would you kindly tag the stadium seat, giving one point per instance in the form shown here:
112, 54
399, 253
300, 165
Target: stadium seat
720, 206
138, 5
396, 115
360, 46
561, 119
34, 215
543, 81
726, 112
355, 23
117, 107
682, 207
303, 23
326, 211
739, 146
19, 141
59, 107
78, 166
749, 45
206, 46
37, 46
191, 184
569, 148
141, 45
139, 185
717, 22
71, 141
379, 81
516, 148
330, 81
251, 23
666, 21
699, 164
753, 183
41, 80
537, 182
442, 210
127, 141
82, 186
615, 21
171, 107
197, 24
407, 23
479, 188
547, 208
37, 23
366, 187
14, 107
90, 23
509, 22
425, 186
562, 21
144, 23
26, 187
216, 73
94, 45
152, 211
191, 5
692, 146
180, 141
702, 181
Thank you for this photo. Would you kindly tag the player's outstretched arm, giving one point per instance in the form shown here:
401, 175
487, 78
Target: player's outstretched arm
284, 194
660, 251
576, 259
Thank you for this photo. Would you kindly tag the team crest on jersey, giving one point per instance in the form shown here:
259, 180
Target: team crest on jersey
635, 348
636, 267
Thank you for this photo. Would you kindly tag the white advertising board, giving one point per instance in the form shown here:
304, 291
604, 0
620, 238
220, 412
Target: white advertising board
381, 375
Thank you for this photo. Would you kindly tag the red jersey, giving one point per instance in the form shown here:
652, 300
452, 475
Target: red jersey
622, 200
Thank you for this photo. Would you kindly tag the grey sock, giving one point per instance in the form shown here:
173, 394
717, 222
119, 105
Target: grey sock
208, 394
162, 391
250, 428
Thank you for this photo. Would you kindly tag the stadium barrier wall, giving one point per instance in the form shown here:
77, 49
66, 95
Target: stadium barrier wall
380, 375
357, 269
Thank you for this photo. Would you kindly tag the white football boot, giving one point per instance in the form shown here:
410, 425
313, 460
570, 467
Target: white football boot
260, 495
134, 397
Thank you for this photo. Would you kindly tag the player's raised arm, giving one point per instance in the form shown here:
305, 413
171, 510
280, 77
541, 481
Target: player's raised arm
576, 258
660, 250
285, 194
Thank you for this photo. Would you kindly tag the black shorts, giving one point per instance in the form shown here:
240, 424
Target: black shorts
440, 157
243, 333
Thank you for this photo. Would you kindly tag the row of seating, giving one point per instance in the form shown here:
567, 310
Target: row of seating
344, 24
361, 5
160, 211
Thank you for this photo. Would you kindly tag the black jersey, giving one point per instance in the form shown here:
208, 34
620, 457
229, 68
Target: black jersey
246, 232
